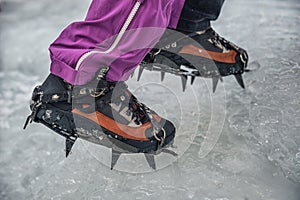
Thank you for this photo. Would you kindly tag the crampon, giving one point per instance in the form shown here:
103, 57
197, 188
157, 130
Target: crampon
201, 54
104, 113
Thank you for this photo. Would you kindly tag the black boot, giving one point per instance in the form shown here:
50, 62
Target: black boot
101, 112
204, 54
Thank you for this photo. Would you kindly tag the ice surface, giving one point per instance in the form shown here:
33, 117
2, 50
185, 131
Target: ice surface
256, 155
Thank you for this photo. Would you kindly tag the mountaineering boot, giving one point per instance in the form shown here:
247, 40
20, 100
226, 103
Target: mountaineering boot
102, 112
204, 54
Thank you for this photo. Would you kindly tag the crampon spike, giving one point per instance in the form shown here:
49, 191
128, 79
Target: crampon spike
239, 79
168, 151
28, 120
215, 81
192, 79
151, 161
115, 155
69, 144
184, 82
162, 76
140, 73
221, 79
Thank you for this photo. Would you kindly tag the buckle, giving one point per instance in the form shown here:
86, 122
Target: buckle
157, 137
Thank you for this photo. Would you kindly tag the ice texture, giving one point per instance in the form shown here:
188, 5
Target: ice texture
233, 145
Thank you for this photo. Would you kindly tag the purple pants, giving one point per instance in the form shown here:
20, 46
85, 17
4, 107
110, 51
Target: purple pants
115, 33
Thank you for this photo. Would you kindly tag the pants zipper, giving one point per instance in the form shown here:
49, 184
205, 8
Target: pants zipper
120, 35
